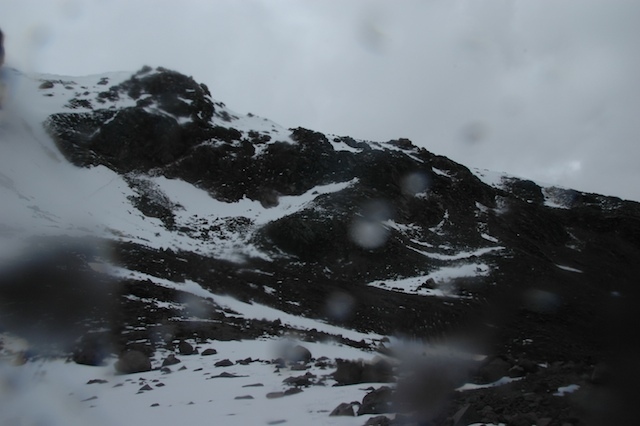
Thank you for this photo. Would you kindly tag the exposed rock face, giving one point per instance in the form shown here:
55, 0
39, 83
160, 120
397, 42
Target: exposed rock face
137, 137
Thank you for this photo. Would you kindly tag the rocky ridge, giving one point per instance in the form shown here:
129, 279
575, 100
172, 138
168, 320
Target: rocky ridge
391, 240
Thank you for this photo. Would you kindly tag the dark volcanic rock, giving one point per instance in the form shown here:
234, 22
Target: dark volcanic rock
224, 363
185, 348
134, 138
299, 354
343, 409
275, 395
226, 375
171, 359
133, 361
377, 401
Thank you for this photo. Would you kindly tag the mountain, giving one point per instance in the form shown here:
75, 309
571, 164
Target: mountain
142, 220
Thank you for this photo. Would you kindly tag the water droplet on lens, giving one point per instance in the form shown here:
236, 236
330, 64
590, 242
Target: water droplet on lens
340, 305
368, 234
415, 183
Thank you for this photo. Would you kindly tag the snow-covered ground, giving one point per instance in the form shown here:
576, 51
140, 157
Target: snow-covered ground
55, 392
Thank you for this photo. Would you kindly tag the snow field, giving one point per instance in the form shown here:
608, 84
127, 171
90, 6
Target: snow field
56, 392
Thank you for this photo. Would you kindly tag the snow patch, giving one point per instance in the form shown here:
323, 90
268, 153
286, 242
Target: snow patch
441, 172
493, 179
570, 269
248, 310
457, 256
564, 390
421, 285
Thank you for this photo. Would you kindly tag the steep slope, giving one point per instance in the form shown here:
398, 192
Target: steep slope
191, 221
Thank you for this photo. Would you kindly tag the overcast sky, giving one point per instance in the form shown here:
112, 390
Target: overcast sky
547, 90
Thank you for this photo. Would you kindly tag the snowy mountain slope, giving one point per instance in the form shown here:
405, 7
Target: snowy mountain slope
192, 222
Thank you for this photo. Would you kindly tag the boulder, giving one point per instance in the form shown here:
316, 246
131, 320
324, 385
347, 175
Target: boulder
132, 361
209, 351
224, 363
170, 360
378, 421
185, 348
274, 395
343, 409
292, 391
377, 401
298, 354
46, 84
